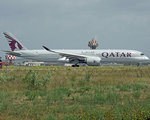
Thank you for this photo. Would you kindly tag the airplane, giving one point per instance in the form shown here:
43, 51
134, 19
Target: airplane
75, 57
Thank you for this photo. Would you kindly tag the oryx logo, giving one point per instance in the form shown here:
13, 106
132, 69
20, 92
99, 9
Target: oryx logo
13, 43
94, 61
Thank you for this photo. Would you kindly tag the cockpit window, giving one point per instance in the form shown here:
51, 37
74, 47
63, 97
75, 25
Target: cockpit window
142, 53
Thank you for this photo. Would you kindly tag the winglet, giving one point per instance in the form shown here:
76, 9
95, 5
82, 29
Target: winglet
46, 48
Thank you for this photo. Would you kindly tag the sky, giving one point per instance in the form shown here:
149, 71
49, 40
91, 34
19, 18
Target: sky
70, 24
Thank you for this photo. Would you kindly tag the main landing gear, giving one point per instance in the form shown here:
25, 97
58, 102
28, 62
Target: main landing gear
75, 65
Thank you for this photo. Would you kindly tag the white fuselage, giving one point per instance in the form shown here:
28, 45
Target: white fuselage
105, 55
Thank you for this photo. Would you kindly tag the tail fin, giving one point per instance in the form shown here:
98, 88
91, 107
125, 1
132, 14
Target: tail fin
14, 44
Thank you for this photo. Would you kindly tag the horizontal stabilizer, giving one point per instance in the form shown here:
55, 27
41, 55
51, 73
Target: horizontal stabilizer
12, 53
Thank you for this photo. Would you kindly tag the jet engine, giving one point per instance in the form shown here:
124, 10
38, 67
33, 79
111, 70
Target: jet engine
93, 61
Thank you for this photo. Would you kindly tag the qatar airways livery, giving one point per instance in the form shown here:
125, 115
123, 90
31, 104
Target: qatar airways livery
90, 57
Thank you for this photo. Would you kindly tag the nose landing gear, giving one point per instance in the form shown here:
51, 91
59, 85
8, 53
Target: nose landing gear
138, 64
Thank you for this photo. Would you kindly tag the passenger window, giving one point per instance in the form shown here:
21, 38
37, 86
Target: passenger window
142, 53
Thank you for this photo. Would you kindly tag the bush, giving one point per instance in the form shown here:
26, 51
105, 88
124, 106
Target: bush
71, 117
3, 78
110, 98
87, 76
136, 94
3, 95
99, 97
50, 117
124, 88
31, 95
57, 94
33, 79
4, 101
134, 86
136, 111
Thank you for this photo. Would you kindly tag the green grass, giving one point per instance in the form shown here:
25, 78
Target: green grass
65, 93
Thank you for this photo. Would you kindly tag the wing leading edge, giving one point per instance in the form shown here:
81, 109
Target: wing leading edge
67, 55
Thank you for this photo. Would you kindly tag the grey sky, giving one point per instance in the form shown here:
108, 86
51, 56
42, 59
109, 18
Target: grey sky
65, 24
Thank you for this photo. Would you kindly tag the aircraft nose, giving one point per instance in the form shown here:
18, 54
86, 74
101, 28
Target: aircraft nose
146, 58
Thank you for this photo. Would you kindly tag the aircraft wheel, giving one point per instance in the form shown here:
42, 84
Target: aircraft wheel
138, 65
77, 65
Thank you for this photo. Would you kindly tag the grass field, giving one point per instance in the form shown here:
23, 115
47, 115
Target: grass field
65, 93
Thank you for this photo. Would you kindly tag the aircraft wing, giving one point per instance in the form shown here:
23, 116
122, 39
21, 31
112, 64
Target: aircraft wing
68, 55
12, 53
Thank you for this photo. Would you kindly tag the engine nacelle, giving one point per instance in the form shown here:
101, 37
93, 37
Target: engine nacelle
93, 61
